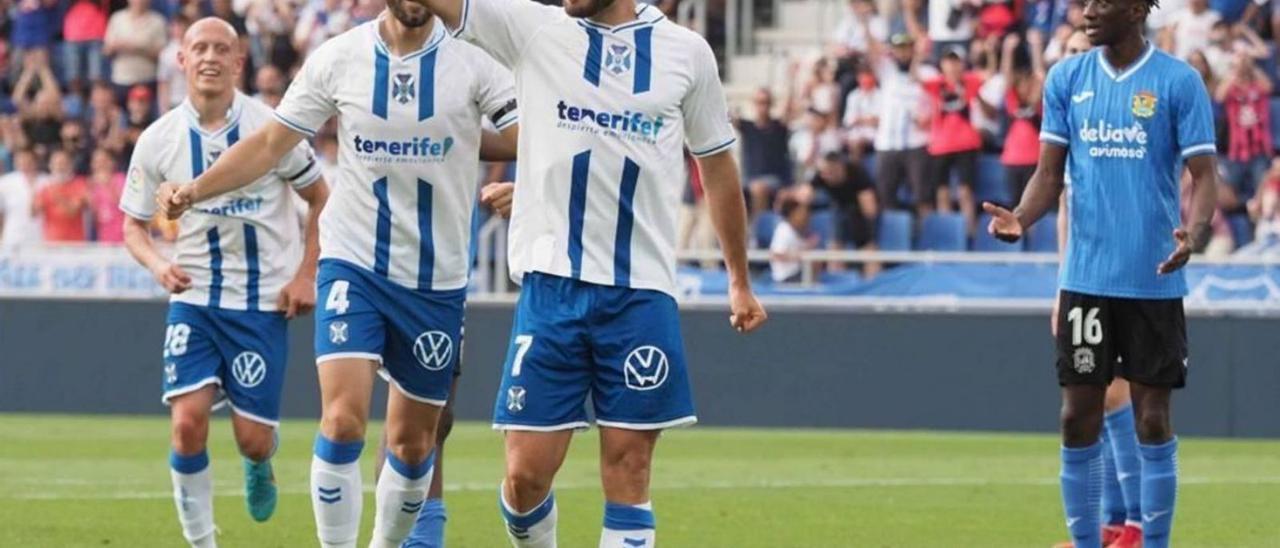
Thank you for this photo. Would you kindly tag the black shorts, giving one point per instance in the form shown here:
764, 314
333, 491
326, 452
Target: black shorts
895, 167
1141, 340
854, 229
963, 164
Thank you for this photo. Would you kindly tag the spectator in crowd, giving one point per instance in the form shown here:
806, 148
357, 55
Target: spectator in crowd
83, 30
138, 109
17, 194
270, 24
696, 232
996, 18
270, 83
106, 118
1265, 207
818, 90
951, 25
106, 184
860, 25
1200, 63
900, 137
847, 187
862, 114
985, 60
953, 141
1191, 29
76, 143
1244, 95
1160, 21
318, 21
1237, 11
63, 204
34, 25
171, 80
1043, 17
791, 238
766, 165
39, 102
135, 36
815, 137
1227, 41
1018, 92
905, 17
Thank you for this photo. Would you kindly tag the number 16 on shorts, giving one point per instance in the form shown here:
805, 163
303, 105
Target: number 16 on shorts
1084, 355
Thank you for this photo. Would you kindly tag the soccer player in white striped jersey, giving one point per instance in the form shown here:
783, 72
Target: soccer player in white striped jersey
610, 93
238, 275
394, 262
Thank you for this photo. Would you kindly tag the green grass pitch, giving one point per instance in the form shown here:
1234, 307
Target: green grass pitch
103, 481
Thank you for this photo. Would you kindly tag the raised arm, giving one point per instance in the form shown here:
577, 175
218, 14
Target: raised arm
242, 164
449, 11
723, 189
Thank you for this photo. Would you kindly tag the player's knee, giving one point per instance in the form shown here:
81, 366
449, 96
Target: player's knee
410, 452
445, 426
1080, 426
528, 483
342, 426
256, 447
628, 462
189, 433
1153, 426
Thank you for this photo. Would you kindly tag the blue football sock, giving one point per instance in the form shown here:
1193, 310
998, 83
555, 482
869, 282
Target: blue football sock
1113, 508
1159, 492
1082, 494
1124, 447
428, 531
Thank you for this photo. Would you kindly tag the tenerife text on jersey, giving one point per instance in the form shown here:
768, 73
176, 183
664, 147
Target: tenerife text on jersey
632, 126
419, 150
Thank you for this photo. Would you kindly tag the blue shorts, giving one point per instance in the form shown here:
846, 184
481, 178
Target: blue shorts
242, 352
416, 335
618, 346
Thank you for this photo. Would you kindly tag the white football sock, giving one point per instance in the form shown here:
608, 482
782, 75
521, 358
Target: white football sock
193, 495
401, 492
533, 529
627, 526
337, 495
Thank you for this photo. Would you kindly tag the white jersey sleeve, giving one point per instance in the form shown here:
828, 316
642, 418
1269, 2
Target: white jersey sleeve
504, 28
299, 167
497, 94
707, 126
138, 200
309, 102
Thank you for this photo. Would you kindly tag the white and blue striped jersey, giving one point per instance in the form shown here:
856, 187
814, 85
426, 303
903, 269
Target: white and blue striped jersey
241, 248
408, 149
1127, 134
606, 113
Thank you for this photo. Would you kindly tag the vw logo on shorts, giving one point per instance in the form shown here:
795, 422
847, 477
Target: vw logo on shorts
433, 350
249, 369
645, 368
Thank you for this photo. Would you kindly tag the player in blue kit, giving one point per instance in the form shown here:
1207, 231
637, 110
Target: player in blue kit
242, 267
1123, 118
611, 93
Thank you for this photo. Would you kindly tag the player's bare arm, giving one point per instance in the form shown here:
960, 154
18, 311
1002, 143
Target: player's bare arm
137, 239
239, 166
499, 147
449, 11
1043, 191
729, 215
299, 295
1196, 232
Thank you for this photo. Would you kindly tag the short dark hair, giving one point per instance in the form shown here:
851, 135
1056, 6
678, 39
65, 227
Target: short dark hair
787, 206
834, 156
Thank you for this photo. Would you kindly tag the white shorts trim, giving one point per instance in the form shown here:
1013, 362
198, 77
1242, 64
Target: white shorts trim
252, 417
682, 421
164, 398
576, 425
382, 372
347, 355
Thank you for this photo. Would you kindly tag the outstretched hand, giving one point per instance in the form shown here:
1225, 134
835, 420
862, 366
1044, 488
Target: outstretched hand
1181, 254
498, 196
1004, 224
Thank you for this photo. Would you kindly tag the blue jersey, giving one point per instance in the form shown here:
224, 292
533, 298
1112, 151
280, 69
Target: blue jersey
1127, 133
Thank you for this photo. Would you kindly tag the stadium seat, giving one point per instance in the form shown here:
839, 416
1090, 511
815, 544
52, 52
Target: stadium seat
1241, 229
895, 231
823, 223
1043, 236
942, 232
991, 185
984, 241
765, 224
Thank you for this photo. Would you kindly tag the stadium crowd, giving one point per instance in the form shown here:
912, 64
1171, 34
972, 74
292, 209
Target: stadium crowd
911, 114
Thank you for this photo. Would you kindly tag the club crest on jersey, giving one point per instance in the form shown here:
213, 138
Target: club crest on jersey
1083, 361
617, 59
212, 157
402, 88
645, 368
1144, 104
